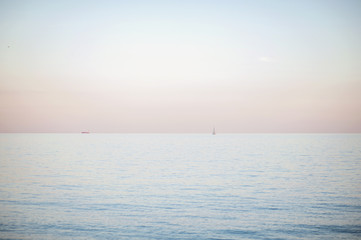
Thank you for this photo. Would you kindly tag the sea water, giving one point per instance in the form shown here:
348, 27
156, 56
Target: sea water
180, 186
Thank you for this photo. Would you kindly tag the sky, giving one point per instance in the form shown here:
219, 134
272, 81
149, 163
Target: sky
180, 66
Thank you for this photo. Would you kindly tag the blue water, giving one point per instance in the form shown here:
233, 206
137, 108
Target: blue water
180, 186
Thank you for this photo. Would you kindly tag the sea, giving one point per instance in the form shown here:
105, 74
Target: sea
180, 186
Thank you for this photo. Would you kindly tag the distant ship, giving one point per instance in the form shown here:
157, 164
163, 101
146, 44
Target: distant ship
214, 131
86, 132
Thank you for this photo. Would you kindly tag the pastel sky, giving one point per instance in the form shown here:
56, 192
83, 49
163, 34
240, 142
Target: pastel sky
181, 66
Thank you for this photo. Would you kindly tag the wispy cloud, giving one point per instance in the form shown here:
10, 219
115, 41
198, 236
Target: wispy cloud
266, 59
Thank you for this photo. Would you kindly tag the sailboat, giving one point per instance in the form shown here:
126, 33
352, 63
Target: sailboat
214, 131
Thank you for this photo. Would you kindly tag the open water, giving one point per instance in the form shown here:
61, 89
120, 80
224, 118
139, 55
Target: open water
180, 186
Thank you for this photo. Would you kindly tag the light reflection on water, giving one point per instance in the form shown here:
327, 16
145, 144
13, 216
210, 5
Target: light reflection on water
180, 186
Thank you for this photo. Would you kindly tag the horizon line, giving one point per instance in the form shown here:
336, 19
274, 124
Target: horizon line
218, 133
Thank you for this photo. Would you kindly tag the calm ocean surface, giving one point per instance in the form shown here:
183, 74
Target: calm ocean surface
180, 186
